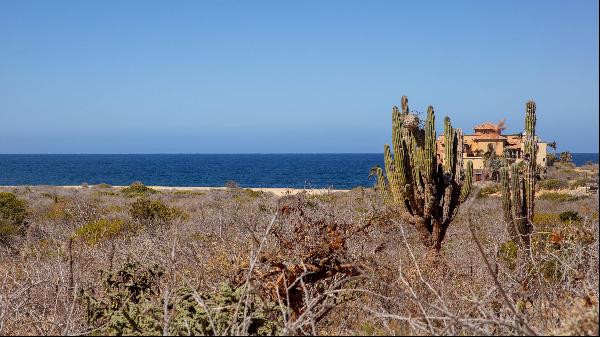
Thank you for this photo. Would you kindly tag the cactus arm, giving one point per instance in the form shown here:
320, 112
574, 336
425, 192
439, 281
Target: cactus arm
447, 203
429, 161
518, 189
429, 155
397, 194
531, 150
459, 157
381, 185
449, 160
505, 189
449, 136
399, 159
516, 196
507, 206
403, 150
467, 182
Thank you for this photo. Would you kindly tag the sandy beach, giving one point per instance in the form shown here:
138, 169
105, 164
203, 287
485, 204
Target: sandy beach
276, 191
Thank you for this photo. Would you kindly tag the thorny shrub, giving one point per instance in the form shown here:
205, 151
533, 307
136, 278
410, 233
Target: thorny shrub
153, 211
132, 303
100, 230
137, 189
12, 216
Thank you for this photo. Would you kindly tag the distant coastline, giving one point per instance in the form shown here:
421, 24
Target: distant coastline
337, 171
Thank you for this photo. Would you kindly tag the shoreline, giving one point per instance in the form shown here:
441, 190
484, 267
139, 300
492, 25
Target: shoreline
278, 191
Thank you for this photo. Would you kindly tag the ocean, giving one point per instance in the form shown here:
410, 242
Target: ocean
337, 171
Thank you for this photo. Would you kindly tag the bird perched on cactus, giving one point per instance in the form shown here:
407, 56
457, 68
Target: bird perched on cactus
518, 185
428, 189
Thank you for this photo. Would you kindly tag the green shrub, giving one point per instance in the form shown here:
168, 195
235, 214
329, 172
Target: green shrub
59, 210
125, 307
145, 210
559, 197
55, 197
103, 193
97, 231
569, 217
580, 182
552, 184
508, 254
325, 197
486, 191
103, 185
188, 192
545, 219
565, 167
252, 193
246, 195
130, 303
12, 216
551, 270
137, 189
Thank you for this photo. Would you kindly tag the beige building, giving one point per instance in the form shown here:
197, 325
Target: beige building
489, 137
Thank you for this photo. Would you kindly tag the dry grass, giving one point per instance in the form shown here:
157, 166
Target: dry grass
334, 264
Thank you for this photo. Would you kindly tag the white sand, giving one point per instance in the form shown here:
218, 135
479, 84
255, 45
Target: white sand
277, 191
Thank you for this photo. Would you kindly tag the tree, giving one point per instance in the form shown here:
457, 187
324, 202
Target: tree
566, 157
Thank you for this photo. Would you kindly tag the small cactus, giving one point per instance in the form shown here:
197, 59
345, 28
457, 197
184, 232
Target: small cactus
428, 189
518, 185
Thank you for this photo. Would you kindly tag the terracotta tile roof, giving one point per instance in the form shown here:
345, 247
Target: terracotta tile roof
486, 125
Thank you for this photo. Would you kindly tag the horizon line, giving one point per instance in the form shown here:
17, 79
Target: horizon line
223, 153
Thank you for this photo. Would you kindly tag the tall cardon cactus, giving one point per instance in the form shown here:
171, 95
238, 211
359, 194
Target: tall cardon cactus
518, 185
428, 189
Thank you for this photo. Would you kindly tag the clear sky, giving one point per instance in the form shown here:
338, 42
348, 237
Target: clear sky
287, 76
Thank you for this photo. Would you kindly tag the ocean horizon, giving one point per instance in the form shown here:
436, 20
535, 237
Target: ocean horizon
282, 170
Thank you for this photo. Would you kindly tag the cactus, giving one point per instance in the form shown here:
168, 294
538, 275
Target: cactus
518, 185
428, 189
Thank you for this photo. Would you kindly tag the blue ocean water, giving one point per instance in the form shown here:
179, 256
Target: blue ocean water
338, 171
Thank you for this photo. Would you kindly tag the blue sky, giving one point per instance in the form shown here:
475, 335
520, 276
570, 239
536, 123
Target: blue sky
287, 76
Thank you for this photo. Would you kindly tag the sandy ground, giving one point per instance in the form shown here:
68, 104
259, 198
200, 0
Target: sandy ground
277, 191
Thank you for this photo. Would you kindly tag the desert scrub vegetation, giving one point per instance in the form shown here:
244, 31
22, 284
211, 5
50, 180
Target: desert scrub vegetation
103, 185
290, 265
553, 184
245, 195
137, 189
153, 211
569, 216
99, 230
128, 305
488, 190
187, 192
12, 216
559, 196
